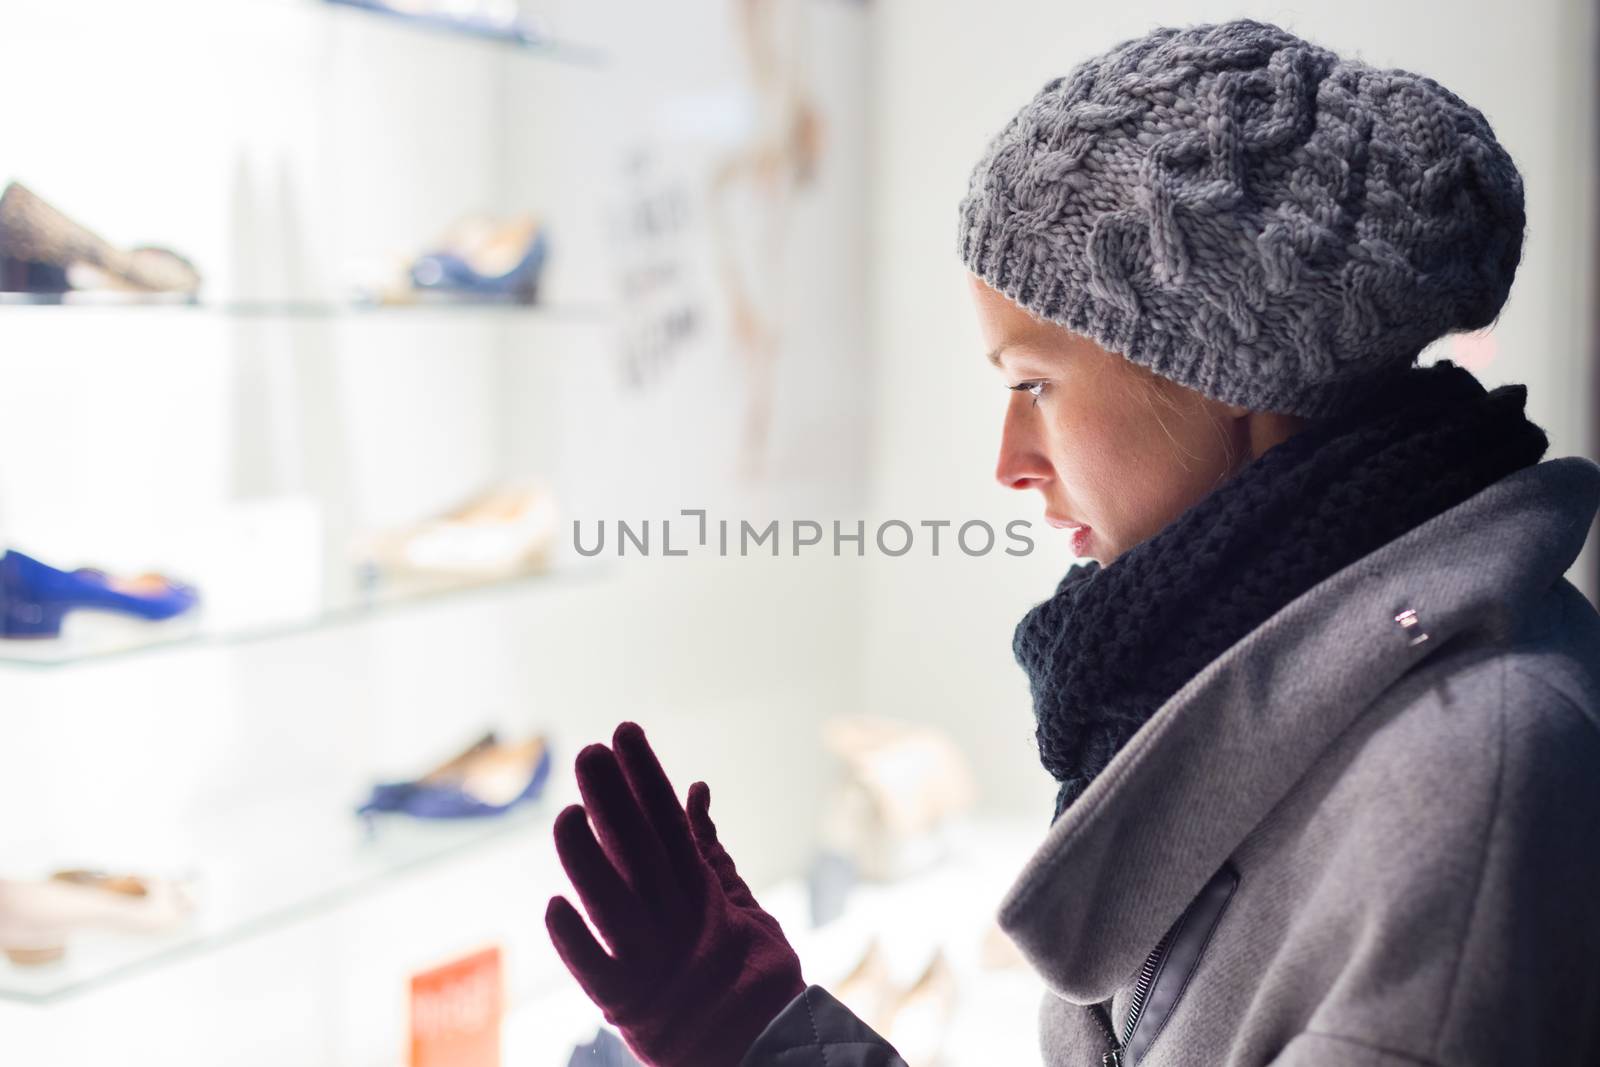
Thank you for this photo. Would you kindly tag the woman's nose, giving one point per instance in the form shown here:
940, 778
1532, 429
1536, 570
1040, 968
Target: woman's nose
1021, 464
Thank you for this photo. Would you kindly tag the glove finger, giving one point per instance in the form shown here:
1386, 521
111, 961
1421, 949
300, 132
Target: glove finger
605, 896
705, 835
624, 832
602, 978
654, 792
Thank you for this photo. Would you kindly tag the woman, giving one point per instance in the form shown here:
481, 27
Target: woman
1324, 713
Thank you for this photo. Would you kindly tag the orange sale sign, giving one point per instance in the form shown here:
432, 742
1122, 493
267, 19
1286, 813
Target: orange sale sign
456, 1011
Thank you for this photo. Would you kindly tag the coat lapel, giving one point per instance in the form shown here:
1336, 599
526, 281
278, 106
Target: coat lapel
1119, 866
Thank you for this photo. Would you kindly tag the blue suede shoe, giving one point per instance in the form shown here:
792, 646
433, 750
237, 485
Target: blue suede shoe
34, 597
486, 260
487, 779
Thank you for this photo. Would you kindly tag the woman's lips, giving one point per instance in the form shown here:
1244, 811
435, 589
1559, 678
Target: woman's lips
1080, 532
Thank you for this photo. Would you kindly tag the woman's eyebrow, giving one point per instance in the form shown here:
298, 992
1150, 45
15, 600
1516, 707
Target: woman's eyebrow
994, 353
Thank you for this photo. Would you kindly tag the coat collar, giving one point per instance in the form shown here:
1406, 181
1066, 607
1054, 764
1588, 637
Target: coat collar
1119, 866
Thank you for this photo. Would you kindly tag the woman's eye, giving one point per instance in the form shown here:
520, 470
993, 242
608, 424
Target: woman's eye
1034, 388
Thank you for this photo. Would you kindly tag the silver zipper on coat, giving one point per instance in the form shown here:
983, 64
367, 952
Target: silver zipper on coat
1184, 942
1118, 1047
1102, 1018
1170, 965
1141, 988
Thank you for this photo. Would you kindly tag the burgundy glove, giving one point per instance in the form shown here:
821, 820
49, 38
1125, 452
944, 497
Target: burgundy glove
696, 969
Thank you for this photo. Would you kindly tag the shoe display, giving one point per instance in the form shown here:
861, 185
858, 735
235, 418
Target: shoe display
487, 778
36, 918
606, 1050
868, 990
43, 251
900, 785
35, 597
914, 1017
919, 1018
497, 534
482, 258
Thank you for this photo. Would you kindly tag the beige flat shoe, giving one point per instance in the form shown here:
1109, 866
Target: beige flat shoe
37, 918
496, 534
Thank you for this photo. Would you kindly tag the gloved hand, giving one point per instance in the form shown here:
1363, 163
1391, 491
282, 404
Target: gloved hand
696, 969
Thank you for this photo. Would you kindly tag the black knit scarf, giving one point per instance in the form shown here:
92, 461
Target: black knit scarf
1115, 642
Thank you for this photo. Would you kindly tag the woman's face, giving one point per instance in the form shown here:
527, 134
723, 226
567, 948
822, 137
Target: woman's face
1115, 453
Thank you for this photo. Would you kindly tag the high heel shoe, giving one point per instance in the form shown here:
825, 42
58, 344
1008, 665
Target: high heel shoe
488, 778
392, 796
482, 258
41, 247
36, 918
35, 597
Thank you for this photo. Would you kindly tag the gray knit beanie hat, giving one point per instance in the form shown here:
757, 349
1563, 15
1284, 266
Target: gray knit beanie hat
1248, 214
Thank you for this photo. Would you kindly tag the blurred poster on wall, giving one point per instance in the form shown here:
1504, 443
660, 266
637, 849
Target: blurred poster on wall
735, 226
456, 1012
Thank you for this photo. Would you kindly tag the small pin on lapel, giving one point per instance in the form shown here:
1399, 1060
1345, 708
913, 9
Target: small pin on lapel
1409, 624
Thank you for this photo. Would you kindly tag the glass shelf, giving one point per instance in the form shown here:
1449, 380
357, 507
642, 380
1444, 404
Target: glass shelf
306, 857
299, 309
105, 636
527, 38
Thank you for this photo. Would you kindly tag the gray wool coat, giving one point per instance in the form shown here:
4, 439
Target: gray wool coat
1367, 834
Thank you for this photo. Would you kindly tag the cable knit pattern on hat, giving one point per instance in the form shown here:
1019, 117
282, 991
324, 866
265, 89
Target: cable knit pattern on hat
1248, 214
